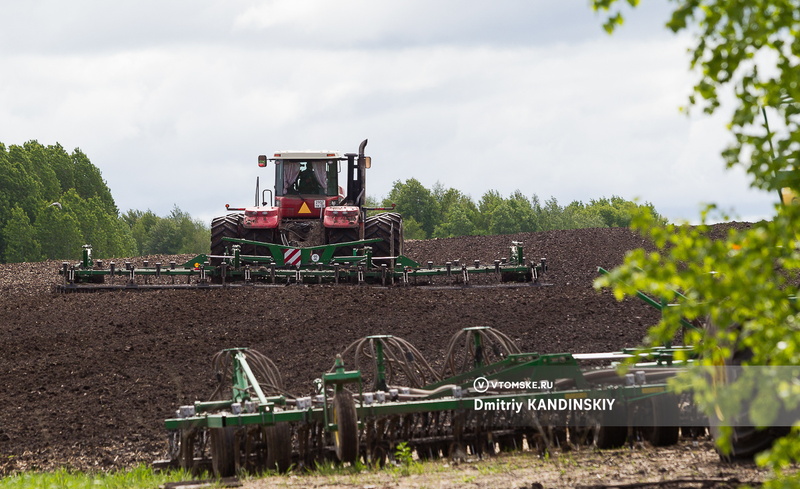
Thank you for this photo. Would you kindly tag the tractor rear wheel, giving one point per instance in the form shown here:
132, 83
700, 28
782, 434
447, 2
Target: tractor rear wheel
388, 226
345, 438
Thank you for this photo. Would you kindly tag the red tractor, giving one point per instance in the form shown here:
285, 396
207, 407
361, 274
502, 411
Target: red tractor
311, 208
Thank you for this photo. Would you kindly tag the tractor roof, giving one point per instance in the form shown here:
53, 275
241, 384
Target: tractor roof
307, 155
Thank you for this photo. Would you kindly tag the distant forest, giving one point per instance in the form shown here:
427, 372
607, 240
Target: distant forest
444, 213
53, 202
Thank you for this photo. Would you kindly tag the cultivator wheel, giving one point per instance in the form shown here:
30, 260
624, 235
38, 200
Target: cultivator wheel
345, 437
387, 226
278, 440
224, 451
608, 435
187, 452
657, 420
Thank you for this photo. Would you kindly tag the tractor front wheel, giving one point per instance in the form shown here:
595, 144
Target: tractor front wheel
341, 235
223, 227
387, 226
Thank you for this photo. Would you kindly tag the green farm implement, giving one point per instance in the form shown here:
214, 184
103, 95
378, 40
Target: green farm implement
484, 396
281, 265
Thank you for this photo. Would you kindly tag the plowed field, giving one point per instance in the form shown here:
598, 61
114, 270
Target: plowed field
87, 379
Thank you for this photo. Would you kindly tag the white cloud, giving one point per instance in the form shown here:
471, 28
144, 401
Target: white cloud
174, 101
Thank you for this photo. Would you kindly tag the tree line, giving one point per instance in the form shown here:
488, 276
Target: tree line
53, 202
446, 212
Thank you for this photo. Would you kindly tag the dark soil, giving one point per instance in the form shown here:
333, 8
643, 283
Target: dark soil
89, 378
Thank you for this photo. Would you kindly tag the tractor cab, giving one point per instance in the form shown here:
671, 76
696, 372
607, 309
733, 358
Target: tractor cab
306, 182
310, 206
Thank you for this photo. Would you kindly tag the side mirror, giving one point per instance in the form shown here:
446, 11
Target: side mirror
262, 160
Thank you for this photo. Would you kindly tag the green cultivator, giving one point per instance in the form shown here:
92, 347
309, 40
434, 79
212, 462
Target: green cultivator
282, 265
485, 396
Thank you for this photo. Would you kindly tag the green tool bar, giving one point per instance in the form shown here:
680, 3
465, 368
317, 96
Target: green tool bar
262, 418
622, 394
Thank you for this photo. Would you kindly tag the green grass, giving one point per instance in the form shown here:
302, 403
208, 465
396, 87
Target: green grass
141, 477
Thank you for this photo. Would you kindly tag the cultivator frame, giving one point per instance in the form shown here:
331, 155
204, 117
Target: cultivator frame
364, 414
294, 265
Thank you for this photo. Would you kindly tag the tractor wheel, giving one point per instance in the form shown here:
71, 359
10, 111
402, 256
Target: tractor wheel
345, 438
223, 227
223, 451
341, 235
387, 226
279, 447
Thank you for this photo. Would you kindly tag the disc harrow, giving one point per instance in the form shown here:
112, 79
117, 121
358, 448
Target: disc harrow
451, 408
284, 265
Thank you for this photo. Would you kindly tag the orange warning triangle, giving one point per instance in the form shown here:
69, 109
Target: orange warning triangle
304, 209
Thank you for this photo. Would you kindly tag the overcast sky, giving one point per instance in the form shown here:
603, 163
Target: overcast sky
174, 100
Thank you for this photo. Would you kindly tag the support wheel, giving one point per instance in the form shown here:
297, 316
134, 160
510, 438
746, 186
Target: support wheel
610, 436
223, 451
345, 438
659, 423
279, 447
749, 441
186, 454
612, 431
